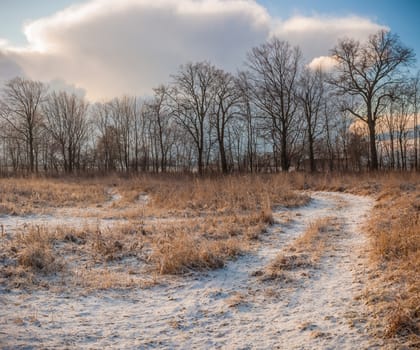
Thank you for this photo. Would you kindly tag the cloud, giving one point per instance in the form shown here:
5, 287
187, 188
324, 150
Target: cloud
109, 47
316, 35
9, 69
61, 85
326, 63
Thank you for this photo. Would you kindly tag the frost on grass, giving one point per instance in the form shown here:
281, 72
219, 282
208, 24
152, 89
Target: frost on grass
227, 307
189, 271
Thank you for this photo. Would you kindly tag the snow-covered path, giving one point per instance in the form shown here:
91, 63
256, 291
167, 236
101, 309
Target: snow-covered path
228, 308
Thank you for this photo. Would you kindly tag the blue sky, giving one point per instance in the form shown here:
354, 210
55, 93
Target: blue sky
402, 16
13, 13
112, 47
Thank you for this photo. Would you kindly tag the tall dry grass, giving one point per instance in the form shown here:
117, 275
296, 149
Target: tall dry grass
223, 194
393, 291
179, 252
173, 224
34, 250
28, 257
208, 221
22, 196
395, 236
225, 213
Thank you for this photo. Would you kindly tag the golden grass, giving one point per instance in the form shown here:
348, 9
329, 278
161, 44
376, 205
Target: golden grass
395, 236
230, 194
178, 252
361, 184
186, 224
304, 252
29, 258
34, 250
191, 223
31, 195
394, 289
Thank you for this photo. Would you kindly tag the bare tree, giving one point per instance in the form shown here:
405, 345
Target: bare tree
226, 99
416, 96
123, 112
66, 122
13, 147
246, 111
161, 115
106, 138
368, 71
312, 97
21, 110
388, 126
275, 68
405, 112
194, 94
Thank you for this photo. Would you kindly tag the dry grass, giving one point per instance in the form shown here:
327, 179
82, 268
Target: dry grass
361, 184
236, 299
395, 236
32, 195
304, 252
34, 250
52, 256
29, 258
231, 194
107, 278
179, 252
171, 225
394, 288
190, 223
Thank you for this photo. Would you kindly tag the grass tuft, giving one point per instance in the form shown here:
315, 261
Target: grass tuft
179, 252
35, 251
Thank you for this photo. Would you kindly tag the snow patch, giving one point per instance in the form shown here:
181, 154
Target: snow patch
226, 308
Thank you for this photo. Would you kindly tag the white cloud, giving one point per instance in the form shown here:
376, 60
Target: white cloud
326, 63
316, 35
110, 47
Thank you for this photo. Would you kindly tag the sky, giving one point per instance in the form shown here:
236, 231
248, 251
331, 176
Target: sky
107, 48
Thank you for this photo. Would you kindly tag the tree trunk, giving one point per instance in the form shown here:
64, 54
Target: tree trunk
284, 157
200, 161
311, 152
31, 153
372, 144
223, 157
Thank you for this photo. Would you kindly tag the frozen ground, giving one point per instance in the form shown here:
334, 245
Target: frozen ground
316, 308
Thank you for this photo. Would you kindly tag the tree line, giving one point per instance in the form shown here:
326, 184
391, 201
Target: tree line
277, 114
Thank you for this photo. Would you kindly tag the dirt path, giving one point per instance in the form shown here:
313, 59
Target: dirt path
230, 308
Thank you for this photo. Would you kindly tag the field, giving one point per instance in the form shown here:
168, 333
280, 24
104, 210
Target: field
244, 261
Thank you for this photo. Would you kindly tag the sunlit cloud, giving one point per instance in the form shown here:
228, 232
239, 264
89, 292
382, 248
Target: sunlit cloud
108, 48
325, 63
316, 35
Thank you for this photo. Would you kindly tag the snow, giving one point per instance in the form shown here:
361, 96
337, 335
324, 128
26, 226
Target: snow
226, 308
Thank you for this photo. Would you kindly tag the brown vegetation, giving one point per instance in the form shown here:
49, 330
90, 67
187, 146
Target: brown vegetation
395, 234
34, 250
393, 291
22, 196
304, 252
161, 224
173, 225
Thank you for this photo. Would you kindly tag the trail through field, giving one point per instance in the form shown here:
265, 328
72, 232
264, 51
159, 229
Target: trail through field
232, 308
